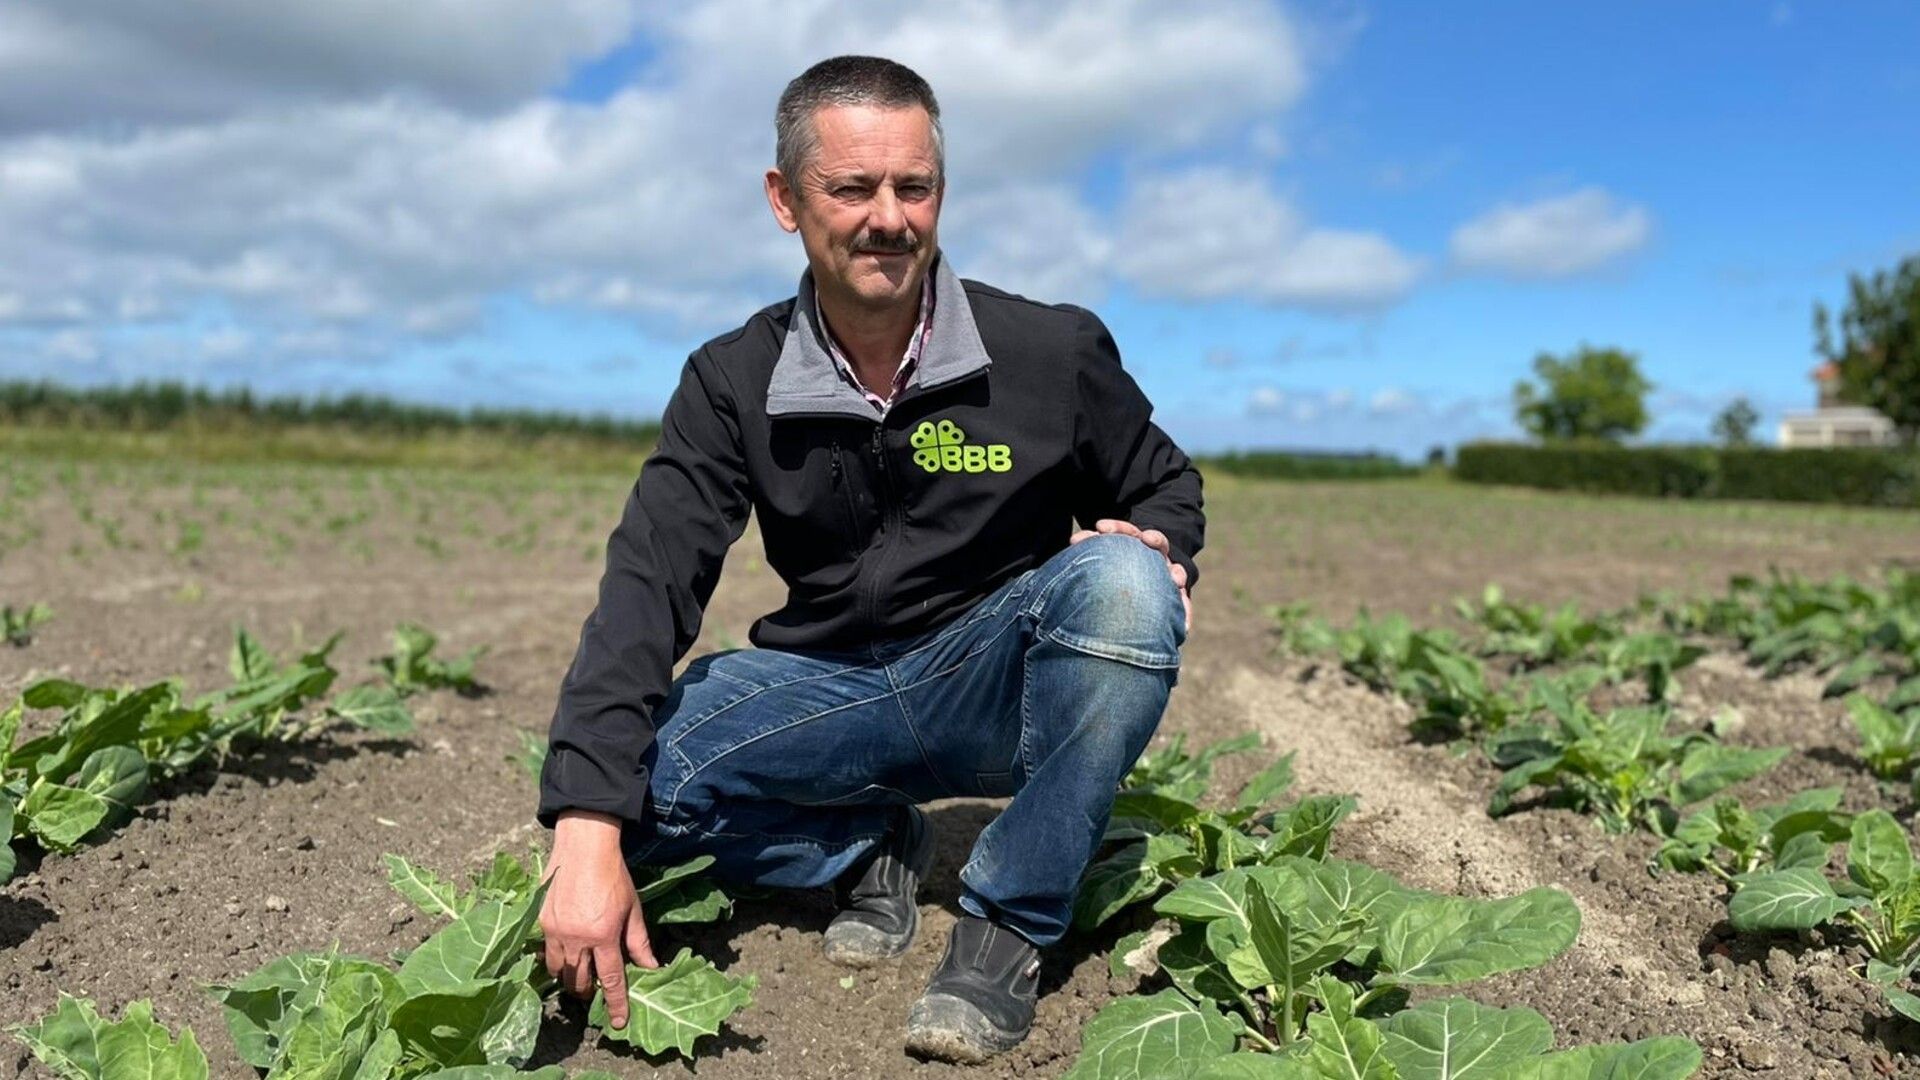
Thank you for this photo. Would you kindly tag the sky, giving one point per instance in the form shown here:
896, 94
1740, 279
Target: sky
1316, 225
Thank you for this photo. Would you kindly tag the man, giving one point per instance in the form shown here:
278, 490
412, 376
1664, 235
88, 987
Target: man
916, 448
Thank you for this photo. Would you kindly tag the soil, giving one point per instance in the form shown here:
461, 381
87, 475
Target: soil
226, 869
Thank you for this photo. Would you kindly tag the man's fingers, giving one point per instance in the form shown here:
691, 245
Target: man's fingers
1115, 525
1158, 541
1083, 534
639, 944
578, 976
556, 959
1179, 575
613, 982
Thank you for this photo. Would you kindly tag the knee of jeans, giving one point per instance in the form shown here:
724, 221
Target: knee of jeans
1119, 601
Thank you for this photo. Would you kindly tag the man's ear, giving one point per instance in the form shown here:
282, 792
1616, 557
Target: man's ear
783, 200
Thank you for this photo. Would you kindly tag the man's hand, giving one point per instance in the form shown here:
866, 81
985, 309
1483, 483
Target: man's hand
1154, 539
592, 911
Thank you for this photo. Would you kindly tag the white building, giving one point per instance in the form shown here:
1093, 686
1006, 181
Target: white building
1834, 424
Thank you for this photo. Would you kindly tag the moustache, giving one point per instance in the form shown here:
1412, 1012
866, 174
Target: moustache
903, 244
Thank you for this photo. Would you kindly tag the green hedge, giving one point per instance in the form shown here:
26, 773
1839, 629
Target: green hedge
1867, 477
1281, 465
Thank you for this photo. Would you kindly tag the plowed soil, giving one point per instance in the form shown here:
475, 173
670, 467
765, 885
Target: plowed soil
281, 853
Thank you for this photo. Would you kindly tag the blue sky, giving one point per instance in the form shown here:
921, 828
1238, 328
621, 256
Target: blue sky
1309, 225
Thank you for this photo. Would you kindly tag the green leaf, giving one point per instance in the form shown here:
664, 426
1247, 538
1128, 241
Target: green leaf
1255, 1065
1889, 740
249, 659
1111, 884
1795, 899
652, 881
1307, 827
1905, 695
1666, 1058
7, 862
511, 1073
1710, 768
670, 1006
1457, 1039
1193, 967
424, 889
1165, 812
77, 1044
1903, 1002
1878, 856
117, 775
346, 1025
1147, 1038
53, 694
117, 724
1208, 898
1806, 850
489, 1021
375, 708
481, 944
1441, 941
1288, 957
1267, 784
263, 1007
695, 900
1341, 1045
1853, 675
60, 816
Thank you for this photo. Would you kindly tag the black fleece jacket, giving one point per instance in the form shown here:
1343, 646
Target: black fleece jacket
1018, 418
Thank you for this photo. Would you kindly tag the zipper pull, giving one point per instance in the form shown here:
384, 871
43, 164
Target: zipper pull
836, 463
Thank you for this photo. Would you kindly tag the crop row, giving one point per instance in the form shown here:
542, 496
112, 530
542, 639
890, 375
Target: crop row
1524, 694
84, 776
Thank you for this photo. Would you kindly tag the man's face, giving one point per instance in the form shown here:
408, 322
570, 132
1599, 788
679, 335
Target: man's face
866, 203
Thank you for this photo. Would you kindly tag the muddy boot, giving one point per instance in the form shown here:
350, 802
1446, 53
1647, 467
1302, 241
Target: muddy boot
980, 999
878, 912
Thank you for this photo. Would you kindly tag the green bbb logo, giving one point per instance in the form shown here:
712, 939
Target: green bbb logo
942, 447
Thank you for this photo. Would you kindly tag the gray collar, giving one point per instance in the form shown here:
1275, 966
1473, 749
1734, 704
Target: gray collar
805, 379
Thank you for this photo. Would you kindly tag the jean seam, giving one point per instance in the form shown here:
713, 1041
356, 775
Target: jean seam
1107, 650
980, 611
906, 717
753, 690
688, 771
983, 646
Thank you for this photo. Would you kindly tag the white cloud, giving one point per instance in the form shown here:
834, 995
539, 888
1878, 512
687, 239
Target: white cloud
100, 63
1214, 233
1392, 401
1265, 401
346, 176
1555, 237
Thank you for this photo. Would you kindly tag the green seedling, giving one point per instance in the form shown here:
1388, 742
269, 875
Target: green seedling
1879, 902
1624, 767
17, 626
411, 666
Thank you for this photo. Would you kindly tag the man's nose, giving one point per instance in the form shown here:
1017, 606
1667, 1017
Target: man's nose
885, 213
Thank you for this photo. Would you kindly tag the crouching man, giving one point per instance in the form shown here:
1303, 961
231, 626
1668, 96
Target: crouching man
917, 449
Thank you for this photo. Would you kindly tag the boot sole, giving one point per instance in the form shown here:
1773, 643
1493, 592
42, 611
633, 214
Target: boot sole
855, 944
944, 1027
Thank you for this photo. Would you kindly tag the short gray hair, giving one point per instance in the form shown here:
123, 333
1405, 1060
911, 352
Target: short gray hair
846, 80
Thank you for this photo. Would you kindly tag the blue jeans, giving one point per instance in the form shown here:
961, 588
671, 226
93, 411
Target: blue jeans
785, 766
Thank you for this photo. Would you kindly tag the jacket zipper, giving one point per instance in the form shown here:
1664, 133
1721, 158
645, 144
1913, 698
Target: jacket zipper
847, 500
889, 525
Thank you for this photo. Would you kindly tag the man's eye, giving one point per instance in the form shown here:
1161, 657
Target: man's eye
915, 191
848, 191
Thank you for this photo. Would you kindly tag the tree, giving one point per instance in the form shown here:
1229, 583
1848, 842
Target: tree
1592, 394
1879, 349
1734, 425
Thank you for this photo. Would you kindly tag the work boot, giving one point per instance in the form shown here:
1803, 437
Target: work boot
980, 999
878, 912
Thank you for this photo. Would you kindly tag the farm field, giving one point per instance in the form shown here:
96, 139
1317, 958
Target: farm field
147, 569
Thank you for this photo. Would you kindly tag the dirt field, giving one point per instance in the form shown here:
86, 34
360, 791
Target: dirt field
148, 569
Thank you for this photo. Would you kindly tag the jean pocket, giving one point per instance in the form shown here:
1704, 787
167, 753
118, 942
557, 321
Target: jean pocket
995, 785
